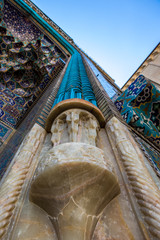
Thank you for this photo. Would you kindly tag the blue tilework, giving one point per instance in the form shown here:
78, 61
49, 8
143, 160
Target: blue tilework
75, 83
29, 61
139, 105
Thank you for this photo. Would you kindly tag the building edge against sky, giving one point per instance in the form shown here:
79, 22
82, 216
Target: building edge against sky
79, 157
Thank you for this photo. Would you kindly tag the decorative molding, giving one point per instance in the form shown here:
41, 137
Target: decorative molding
75, 125
145, 191
71, 104
48, 106
12, 184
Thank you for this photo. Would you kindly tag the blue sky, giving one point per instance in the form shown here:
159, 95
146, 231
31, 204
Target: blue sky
117, 34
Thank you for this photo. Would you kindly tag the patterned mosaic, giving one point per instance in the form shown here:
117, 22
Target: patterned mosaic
5, 131
139, 105
9, 151
26, 67
18, 24
151, 154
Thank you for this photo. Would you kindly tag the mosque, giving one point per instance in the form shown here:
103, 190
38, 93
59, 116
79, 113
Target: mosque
80, 157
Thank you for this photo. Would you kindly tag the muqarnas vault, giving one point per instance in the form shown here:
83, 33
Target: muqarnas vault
79, 156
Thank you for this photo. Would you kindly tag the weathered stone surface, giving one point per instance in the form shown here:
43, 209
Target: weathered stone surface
75, 125
71, 152
112, 224
74, 182
74, 194
118, 221
74, 103
34, 224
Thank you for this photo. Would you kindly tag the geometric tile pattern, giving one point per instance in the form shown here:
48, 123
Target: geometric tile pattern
19, 26
9, 150
29, 61
139, 106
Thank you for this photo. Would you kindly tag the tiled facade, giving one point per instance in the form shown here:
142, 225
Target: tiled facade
65, 146
139, 106
29, 62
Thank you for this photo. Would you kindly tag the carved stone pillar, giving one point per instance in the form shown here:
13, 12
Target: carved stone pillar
24, 164
74, 182
146, 193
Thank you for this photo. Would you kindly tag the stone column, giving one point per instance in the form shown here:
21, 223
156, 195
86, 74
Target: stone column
20, 174
146, 200
74, 182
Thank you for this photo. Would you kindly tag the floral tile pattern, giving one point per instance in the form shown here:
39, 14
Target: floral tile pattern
139, 105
